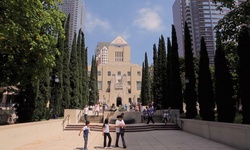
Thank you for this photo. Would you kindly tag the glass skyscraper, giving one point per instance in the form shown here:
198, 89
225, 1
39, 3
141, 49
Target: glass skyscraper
76, 9
202, 16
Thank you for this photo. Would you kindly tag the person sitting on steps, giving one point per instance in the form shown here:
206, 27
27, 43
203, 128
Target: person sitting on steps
113, 108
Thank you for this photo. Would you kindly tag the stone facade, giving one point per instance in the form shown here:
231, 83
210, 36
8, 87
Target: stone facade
119, 81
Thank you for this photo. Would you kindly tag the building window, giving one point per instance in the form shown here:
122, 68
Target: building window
129, 73
99, 85
108, 88
119, 73
99, 73
138, 85
129, 90
119, 56
129, 82
139, 73
130, 100
109, 73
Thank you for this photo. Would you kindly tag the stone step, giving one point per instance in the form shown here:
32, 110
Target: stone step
92, 119
129, 128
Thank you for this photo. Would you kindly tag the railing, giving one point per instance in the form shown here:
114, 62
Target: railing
67, 117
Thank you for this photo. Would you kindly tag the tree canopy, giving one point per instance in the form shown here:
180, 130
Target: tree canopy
230, 25
28, 32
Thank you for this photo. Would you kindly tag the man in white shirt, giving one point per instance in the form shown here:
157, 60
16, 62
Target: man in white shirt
120, 126
85, 112
97, 109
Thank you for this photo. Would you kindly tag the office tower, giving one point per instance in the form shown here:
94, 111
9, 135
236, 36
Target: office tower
119, 81
76, 9
101, 52
202, 16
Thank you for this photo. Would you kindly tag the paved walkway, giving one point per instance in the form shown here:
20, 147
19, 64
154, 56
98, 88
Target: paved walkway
151, 140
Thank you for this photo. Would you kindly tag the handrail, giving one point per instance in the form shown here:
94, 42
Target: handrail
65, 120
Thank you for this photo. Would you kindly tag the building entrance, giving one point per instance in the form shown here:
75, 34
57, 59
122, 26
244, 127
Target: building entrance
118, 101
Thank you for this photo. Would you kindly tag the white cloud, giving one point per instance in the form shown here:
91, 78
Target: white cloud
149, 19
93, 22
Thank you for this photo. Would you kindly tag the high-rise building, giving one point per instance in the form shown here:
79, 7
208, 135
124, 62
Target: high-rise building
76, 9
101, 52
119, 81
201, 16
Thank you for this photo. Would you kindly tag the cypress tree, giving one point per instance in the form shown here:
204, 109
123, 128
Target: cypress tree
244, 73
66, 76
163, 73
58, 70
155, 73
146, 81
205, 86
223, 85
159, 75
142, 95
79, 57
169, 47
93, 93
175, 79
39, 104
85, 88
96, 81
45, 95
74, 76
190, 95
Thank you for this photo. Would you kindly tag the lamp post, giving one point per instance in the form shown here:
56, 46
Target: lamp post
56, 83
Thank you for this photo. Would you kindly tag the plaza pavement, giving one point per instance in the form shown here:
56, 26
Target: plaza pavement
151, 140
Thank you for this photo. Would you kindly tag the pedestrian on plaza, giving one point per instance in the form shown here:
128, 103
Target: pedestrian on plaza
120, 131
85, 112
86, 132
144, 113
150, 112
126, 107
169, 114
97, 109
139, 105
106, 133
165, 117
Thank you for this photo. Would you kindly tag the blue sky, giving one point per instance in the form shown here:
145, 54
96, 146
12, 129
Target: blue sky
139, 22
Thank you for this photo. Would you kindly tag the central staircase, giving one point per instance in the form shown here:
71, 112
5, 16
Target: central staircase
129, 128
142, 126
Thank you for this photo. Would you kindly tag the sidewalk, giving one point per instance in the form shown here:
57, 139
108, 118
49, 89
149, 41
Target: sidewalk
151, 140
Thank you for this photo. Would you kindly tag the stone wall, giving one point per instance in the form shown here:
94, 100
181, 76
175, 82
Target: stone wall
236, 135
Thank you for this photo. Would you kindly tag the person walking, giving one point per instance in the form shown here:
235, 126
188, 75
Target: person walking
120, 131
165, 117
86, 132
85, 112
169, 114
144, 113
97, 109
106, 133
150, 112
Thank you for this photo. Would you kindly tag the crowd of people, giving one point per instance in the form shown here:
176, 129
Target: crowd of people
147, 114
